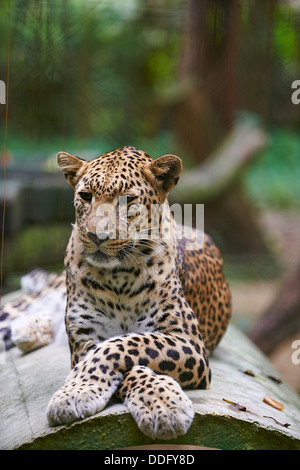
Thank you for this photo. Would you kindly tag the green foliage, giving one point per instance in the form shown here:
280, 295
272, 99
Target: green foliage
86, 70
286, 37
41, 245
274, 178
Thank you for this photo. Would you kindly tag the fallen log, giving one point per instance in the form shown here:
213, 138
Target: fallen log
232, 414
218, 184
223, 167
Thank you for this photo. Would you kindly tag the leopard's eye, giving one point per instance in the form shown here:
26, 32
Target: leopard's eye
86, 196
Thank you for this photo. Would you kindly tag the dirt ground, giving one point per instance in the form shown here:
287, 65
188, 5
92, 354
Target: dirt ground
251, 298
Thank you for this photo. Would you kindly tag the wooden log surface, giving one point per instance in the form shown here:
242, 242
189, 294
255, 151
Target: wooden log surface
27, 382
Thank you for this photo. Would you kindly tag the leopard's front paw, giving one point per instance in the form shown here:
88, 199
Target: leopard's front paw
69, 405
162, 410
82, 395
166, 419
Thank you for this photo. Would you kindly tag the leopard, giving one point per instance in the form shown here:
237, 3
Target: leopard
146, 298
143, 306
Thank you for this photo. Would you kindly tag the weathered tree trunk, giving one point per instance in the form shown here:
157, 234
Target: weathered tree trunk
282, 319
209, 63
249, 424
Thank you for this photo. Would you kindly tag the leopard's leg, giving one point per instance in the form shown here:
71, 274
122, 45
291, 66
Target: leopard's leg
158, 404
87, 390
96, 378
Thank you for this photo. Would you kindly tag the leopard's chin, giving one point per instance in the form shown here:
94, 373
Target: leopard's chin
102, 260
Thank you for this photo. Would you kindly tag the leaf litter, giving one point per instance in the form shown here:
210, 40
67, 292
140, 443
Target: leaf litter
237, 407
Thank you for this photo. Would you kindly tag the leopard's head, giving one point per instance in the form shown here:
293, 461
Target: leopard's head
120, 200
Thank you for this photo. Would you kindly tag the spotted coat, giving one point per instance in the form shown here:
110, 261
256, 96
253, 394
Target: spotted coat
142, 310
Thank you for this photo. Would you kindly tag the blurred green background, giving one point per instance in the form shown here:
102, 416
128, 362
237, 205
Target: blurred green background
166, 76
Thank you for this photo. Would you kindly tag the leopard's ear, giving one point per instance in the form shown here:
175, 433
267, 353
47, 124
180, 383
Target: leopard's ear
73, 167
164, 172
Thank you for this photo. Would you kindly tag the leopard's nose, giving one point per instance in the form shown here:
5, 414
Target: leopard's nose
100, 237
